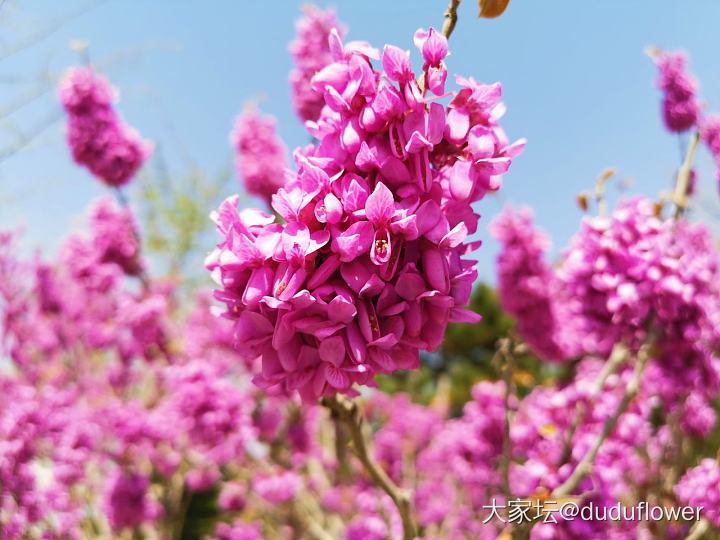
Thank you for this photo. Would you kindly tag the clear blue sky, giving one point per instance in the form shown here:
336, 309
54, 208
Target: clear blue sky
575, 80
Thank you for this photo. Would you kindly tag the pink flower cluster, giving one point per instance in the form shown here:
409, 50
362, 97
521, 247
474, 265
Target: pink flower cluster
368, 267
680, 106
97, 136
630, 272
528, 287
114, 236
710, 135
311, 53
127, 502
260, 155
700, 486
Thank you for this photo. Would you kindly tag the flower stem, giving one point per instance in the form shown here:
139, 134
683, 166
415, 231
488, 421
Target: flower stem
585, 466
348, 412
582, 469
698, 530
506, 352
450, 18
683, 177
617, 357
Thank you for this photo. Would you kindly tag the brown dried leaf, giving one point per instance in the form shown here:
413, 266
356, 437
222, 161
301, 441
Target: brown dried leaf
582, 200
492, 8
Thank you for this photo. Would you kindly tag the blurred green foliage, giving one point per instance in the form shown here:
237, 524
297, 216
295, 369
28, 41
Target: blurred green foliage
174, 212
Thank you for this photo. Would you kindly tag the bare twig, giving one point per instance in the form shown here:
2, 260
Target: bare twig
617, 357
450, 18
49, 29
307, 516
348, 412
341, 441
585, 466
122, 199
505, 350
582, 469
24, 139
680, 197
698, 530
600, 190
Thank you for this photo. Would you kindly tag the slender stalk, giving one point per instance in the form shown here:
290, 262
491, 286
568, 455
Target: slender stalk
683, 177
450, 18
600, 190
508, 379
617, 357
306, 516
123, 201
698, 530
348, 412
341, 441
582, 469
585, 466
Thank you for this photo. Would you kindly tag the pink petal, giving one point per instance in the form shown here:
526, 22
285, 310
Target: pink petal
337, 378
332, 350
380, 205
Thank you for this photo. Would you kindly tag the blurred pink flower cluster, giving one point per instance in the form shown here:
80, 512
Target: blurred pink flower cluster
311, 53
97, 136
528, 286
680, 107
260, 155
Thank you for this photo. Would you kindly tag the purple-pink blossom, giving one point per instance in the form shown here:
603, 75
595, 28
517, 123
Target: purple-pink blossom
700, 487
710, 135
680, 106
114, 235
528, 288
368, 266
98, 138
311, 53
127, 502
260, 154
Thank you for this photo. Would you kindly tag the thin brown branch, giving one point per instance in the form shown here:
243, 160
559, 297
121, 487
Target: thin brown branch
698, 530
52, 27
617, 357
308, 519
582, 469
680, 196
122, 199
26, 138
348, 412
586, 463
451, 18
508, 371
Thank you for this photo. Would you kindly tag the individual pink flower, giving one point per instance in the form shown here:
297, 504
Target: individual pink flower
434, 48
311, 53
238, 530
260, 155
698, 418
97, 136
